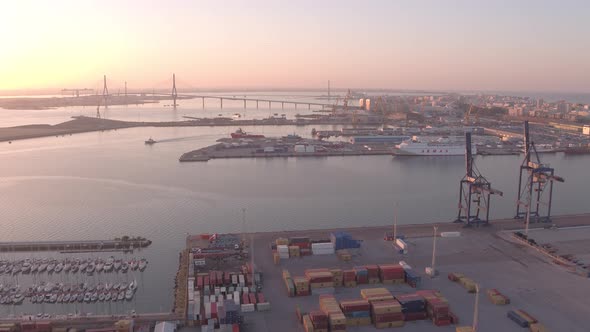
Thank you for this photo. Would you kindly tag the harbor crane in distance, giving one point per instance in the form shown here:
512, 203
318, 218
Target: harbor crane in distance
474, 192
534, 179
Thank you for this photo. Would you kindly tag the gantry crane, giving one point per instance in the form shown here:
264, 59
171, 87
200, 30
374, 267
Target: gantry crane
474, 192
534, 178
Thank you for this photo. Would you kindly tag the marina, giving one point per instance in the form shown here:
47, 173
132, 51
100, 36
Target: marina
124, 244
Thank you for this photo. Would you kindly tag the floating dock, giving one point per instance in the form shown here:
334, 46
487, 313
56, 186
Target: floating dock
73, 246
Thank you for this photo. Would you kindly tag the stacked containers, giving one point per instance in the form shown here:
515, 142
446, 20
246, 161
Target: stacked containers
373, 274
319, 278
337, 320
344, 255
337, 277
343, 240
376, 294
319, 320
301, 286
322, 248
437, 307
387, 313
307, 324
289, 283
283, 251
304, 245
496, 297
391, 274
413, 306
357, 312
262, 304
294, 251
362, 275
349, 278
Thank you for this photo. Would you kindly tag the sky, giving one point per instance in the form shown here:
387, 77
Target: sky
505, 45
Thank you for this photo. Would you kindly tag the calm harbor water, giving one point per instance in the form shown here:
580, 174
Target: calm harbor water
106, 184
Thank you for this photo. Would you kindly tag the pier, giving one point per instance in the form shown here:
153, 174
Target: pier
76, 246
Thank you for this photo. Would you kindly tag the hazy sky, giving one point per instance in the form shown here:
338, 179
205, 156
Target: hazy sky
412, 44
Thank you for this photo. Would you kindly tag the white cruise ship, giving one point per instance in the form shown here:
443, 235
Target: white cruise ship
441, 147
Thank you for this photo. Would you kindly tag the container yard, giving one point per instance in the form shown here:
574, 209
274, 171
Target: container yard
361, 280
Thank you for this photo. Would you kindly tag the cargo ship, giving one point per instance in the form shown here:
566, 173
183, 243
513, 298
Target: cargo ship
441, 147
242, 134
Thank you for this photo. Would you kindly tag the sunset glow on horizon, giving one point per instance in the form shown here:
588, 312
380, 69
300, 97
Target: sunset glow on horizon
443, 45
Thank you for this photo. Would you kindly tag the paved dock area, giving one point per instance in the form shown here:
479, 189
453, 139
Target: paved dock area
550, 293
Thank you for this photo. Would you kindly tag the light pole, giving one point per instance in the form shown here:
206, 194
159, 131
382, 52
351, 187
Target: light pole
434, 252
476, 309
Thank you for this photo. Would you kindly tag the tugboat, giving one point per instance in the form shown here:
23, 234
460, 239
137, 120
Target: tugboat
150, 141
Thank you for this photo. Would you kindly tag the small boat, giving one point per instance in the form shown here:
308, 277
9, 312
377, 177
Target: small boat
67, 267
59, 267
101, 297
143, 264
117, 265
114, 295
150, 141
133, 285
107, 296
94, 297
34, 268
108, 286
50, 267
66, 298
123, 287
90, 269
18, 299
87, 296
80, 297
124, 267
133, 264
121, 296
74, 298
129, 295
99, 287
99, 267
53, 298
83, 267
75, 268
60, 298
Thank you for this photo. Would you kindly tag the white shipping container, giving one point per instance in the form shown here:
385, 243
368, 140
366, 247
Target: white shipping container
191, 296
299, 148
241, 279
216, 290
234, 279
401, 244
282, 248
206, 299
245, 290
212, 298
450, 234
265, 306
324, 245
405, 265
309, 148
269, 149
223, 290
247, 307
229, 297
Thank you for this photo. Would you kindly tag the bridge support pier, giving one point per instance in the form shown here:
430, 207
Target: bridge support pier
244, 103
282, 105
203, 102
256, 104
308, 106
221, 100
269, 104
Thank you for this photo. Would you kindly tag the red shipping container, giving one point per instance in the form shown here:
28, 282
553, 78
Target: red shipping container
412, 316
261, 298
199, 282
373, 271
388, 317
219, 278
235, 328
245, 299
227, 278
206, 281
319, 319
252, 297
214, 310
442, 321
348, 275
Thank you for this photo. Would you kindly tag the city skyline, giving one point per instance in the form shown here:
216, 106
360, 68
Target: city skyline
422, 45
